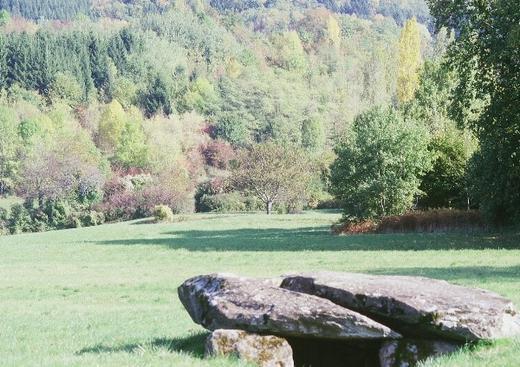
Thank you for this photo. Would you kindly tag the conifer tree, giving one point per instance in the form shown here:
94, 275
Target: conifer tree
3, 63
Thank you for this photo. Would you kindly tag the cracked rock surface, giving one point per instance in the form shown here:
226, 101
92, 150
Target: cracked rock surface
229, 302
328, 319
415, 305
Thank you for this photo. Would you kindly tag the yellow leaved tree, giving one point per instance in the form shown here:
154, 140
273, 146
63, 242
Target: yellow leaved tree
410, 61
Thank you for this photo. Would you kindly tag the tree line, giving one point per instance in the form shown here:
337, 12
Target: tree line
167, 108
46, 9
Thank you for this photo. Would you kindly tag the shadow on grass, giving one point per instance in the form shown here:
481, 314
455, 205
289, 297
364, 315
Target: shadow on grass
143, 221
192, 345
181, 218
320, 239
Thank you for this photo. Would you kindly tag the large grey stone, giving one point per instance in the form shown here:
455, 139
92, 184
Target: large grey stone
262, 350
415, 305
229, 302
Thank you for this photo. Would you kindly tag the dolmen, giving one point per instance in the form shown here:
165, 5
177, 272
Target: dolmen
342, 319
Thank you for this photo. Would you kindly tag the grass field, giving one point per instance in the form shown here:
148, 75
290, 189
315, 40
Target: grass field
106, 296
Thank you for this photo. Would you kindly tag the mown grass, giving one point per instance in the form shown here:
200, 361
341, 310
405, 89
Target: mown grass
106, 296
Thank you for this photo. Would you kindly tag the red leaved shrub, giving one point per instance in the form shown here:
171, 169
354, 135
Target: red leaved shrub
438, 220
132, 197
359, 227
218, 153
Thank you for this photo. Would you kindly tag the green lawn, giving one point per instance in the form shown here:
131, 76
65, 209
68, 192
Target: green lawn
106, 296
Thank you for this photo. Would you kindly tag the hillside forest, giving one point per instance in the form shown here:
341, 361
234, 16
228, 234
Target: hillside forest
109, 109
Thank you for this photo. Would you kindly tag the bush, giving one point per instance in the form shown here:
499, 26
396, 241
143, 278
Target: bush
330, 204
20, 220
51, 215
92, 218
214, 186
355, 227
126, 201
120, 205
4, 216
163, 213
229, 202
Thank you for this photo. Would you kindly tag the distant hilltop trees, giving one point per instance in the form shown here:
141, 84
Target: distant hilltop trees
46, 9
399, 10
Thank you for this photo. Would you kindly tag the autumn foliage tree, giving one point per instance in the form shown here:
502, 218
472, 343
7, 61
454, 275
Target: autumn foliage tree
409, 61
273, 173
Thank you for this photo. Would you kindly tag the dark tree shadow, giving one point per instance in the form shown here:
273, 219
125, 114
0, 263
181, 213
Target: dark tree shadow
182, 218
192, 345
321, 239
143, 221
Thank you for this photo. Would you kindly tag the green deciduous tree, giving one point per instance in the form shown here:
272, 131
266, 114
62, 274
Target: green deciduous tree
111, 126
431, 102
445, 186
273, 173
132, 150
379, 166
289, 52
202, 97
313, 134
10, 148
485, 55
66, 87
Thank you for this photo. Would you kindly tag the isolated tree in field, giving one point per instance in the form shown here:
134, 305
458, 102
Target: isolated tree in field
273, 173
409, 61
379, 166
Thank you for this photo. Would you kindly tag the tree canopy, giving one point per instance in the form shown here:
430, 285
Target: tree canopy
379, 166
161, 99
486, 96
273, 173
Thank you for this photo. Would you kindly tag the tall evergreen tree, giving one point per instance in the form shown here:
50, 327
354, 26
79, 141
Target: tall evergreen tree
3, 62
99, 66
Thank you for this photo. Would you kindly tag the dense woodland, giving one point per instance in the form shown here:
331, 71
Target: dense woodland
109, 109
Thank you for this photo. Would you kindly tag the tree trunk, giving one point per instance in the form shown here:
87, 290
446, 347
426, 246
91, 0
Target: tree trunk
269, 207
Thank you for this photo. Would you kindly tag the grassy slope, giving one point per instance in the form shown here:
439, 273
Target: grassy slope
107, 295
